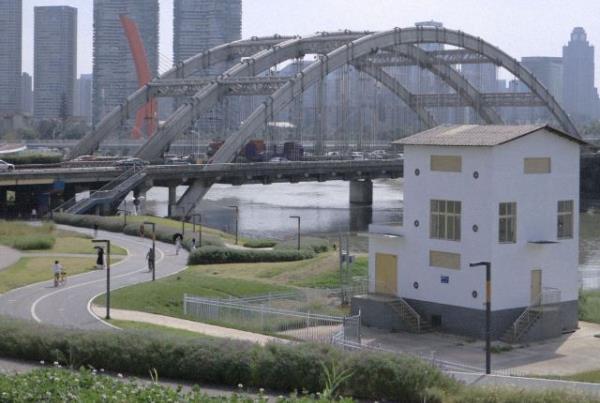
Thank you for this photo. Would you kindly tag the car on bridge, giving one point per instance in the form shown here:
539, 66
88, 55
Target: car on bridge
131, 163
5, 166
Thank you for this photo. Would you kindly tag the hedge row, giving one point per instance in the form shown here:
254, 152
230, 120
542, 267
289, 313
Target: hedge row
281, 367
218, 255
317, 245
32, 158
115, 224
260, 243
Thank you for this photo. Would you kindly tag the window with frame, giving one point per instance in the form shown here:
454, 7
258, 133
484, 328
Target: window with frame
445, 220
565, 219
507, 223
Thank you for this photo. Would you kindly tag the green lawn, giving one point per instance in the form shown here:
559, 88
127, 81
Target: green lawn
330, 277
165, 296
167, 222
29, 270
65, 242
155, 329
78, 245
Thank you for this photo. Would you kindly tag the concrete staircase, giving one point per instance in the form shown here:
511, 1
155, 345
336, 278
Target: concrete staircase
409, 316
111, 194
522, 325
547, 302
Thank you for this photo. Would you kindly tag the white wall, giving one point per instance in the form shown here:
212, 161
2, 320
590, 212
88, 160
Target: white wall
501, 179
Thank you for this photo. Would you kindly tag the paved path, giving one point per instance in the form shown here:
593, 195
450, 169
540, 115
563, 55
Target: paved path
68, 306
9, 257
196, 327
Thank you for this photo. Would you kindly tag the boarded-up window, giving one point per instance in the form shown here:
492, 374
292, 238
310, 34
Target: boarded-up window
446, 163
538, 165
446, 260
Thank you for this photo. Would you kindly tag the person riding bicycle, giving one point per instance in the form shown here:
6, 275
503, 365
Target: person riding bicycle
57, 268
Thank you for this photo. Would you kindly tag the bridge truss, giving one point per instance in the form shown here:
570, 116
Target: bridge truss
373, 54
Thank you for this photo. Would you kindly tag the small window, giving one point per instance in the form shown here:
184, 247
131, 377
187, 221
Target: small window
537, 165
446, 163
507, 223
445, 220
565, 219
445, 260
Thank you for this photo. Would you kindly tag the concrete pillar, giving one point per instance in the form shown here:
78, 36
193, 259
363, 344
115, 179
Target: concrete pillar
361, 192
172, 200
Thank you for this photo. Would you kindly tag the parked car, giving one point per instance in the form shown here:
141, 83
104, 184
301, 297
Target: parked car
131, 162
278, 159
5, 166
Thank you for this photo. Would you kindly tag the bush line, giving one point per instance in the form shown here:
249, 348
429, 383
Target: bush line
218, 255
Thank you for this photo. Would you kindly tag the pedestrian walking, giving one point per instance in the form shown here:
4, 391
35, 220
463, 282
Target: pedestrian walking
177, 245
100, 258
56, 270
193, 243
150, 259
33, 214
95, 230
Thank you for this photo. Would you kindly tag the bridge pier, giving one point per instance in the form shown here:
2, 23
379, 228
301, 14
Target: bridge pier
172, 210
361, 192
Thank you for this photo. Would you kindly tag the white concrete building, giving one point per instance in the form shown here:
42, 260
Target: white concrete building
508, 195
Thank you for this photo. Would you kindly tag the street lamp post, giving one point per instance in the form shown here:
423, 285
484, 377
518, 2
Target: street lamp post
297, 217
237, 219
107, 242
183, 225
200, 227
153, 248
125, 214
488, 313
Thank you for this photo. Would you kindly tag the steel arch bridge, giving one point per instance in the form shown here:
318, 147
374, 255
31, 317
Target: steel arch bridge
368, 52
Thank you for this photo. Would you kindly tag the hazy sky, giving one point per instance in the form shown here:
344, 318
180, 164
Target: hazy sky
519, 27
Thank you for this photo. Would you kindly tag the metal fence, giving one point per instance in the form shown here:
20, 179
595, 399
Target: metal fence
262, 318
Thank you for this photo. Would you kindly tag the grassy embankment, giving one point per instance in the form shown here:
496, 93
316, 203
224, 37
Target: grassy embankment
165, 296
40, 247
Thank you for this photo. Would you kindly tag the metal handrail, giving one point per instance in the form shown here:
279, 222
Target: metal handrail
405, 305
538, 304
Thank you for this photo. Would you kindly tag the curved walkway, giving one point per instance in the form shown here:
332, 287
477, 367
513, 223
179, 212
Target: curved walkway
68, 306
9, 257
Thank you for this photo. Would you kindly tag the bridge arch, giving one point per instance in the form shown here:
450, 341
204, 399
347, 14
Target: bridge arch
357, 49
271, 52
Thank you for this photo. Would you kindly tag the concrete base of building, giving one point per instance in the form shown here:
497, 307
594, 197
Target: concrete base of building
376, 312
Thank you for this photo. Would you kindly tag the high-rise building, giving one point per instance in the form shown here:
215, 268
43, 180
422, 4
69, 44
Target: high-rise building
26, 94
549, 71
115, 75
55, 61
200, 25
579, 95
83, 97
11, 21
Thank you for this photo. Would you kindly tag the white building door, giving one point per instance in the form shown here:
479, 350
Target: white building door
386, 274
536, 286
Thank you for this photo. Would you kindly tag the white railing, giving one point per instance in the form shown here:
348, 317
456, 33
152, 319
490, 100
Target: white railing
261, 318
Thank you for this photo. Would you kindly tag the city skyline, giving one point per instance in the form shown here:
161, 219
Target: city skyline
536, 21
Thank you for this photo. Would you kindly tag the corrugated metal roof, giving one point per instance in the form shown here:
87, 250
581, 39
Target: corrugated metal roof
477, 135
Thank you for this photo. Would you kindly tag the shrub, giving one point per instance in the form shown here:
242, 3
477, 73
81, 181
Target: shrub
317, 245
33, 242
218, 255
260, 243
282, 367
28, 158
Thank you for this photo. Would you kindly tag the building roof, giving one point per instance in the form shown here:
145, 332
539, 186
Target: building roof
478, 135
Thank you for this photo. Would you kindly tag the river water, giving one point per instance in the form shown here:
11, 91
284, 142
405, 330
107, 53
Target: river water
325, 210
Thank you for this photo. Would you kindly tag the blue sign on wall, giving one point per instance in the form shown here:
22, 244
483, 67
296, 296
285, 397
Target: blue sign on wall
445, 279
58, 186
